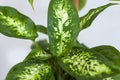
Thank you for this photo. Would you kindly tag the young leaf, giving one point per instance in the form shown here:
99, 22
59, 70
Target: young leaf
87, 65
62, 26
31, 3
31, 71
15, 24
110, 53
86, 21
38, 54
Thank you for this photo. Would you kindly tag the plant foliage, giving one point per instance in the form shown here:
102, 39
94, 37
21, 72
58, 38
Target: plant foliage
63, 58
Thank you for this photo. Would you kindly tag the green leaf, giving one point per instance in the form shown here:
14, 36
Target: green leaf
116, 77
43, 43
31, 3
86, 21
31, 71
41, 28
63, 26
15, 24
85, 64
38, 54
110, 53
82, 4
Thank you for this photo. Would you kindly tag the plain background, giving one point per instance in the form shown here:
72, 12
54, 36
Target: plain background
105, 30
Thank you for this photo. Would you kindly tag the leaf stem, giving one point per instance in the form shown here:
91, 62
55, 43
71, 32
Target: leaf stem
59, 70
42, 29
36, 44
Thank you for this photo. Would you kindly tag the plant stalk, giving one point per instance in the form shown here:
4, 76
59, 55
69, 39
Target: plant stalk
76, 4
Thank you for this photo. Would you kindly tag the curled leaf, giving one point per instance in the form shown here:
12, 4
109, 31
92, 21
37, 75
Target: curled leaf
86, 21
15, 24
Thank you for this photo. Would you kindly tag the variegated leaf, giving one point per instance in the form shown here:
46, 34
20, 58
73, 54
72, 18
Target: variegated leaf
62, 26
85, 64
31, 71
110, 53
87, 20
15, 24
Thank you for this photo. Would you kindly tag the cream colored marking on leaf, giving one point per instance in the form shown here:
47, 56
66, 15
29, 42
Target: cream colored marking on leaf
89, 16
55, 29
86, 64
65, 38
66, 35
34, 72
62, 15
15, 24
31, 70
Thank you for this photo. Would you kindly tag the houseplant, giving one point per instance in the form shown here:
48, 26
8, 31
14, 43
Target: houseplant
63, 58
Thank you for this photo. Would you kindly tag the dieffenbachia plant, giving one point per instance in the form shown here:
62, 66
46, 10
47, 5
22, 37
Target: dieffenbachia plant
63, 58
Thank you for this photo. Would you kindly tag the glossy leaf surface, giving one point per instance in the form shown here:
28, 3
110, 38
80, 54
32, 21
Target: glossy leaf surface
15, 24
30, 71
62, 26
87, 65
86, 21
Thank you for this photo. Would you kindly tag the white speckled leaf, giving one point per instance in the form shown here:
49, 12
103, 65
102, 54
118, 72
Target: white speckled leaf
87, 20
31, 71
62, 26
15, 24
110, 53
87, 65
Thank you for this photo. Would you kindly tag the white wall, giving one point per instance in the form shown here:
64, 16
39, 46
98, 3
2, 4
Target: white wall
104, 30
